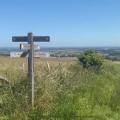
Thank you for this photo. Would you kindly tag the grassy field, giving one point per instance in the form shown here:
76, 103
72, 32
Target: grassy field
63, 91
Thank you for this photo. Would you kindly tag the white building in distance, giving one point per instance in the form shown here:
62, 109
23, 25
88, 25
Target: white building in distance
36, 54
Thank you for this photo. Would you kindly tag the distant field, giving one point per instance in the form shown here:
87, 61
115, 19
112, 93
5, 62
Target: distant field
116, 62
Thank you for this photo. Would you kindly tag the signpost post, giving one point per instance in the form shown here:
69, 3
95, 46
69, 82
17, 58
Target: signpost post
30, 46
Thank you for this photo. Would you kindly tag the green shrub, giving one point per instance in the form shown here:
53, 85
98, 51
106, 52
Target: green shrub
90, 59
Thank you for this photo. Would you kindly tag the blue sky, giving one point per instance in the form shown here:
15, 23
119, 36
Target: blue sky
67, 22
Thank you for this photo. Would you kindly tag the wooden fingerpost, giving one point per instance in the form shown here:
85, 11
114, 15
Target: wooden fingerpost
30, 39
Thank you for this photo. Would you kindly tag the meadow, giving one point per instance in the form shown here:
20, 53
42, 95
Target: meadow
64, 90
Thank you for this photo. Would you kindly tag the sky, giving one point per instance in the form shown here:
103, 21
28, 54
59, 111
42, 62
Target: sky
69, 23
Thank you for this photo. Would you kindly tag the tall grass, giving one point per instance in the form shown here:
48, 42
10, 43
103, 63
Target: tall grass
64, 91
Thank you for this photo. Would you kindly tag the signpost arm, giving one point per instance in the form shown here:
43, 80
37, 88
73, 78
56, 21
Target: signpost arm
31, 68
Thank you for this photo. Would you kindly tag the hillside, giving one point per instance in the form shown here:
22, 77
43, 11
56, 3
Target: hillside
63, 91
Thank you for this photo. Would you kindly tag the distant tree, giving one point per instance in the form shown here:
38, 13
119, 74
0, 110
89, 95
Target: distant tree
91, 59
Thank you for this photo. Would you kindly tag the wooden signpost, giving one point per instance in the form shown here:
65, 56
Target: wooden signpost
30, 46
